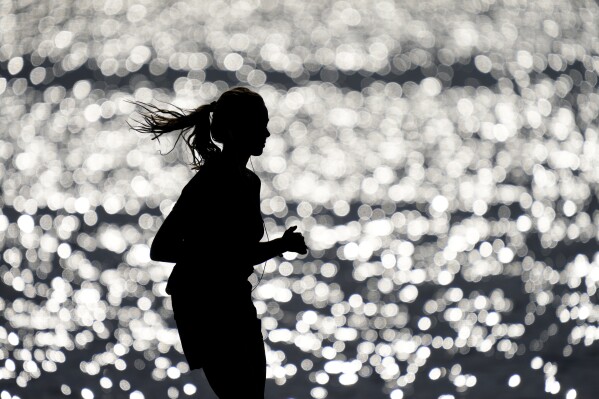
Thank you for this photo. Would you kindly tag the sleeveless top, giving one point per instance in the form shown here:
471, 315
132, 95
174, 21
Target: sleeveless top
221, 222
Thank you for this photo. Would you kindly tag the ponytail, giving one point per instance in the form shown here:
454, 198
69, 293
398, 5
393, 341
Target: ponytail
158, 121
233, 107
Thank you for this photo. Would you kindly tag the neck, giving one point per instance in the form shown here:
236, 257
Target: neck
234, 156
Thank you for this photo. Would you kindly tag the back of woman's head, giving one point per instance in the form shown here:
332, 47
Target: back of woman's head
199, 131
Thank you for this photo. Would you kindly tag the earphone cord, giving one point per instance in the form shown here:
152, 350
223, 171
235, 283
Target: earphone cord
264, 264
267, 237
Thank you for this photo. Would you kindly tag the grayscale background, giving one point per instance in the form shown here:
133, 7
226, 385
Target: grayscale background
440, 158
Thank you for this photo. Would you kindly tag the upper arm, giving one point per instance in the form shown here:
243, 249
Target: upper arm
171, 227
171, 232
166, 240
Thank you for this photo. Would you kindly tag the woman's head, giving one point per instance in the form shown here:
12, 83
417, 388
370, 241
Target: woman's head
239, 119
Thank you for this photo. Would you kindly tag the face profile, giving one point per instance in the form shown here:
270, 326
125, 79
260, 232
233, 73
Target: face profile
251, 135
258, 131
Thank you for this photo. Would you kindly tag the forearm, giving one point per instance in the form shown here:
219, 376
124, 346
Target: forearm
257, 253
264, 251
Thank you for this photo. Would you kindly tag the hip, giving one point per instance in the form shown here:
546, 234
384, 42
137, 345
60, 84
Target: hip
208, 282
224, 302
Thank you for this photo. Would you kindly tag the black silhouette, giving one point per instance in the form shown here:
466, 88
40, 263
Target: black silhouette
213, 234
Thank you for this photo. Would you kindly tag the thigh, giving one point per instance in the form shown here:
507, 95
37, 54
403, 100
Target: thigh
238, 362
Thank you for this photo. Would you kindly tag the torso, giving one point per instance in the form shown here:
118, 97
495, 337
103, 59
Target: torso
234, 202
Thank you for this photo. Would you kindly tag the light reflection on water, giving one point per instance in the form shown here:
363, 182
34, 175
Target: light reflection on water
447, 190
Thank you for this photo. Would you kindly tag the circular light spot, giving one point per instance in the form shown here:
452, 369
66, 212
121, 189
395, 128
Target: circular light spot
514, 381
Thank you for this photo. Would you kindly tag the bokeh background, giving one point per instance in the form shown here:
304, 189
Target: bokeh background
440, 157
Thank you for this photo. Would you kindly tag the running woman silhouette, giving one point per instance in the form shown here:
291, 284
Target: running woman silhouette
213, 235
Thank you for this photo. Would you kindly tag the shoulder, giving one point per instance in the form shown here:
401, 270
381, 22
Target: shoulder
196, 179
200, 180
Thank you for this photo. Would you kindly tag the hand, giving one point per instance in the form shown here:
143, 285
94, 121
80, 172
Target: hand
294, 242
